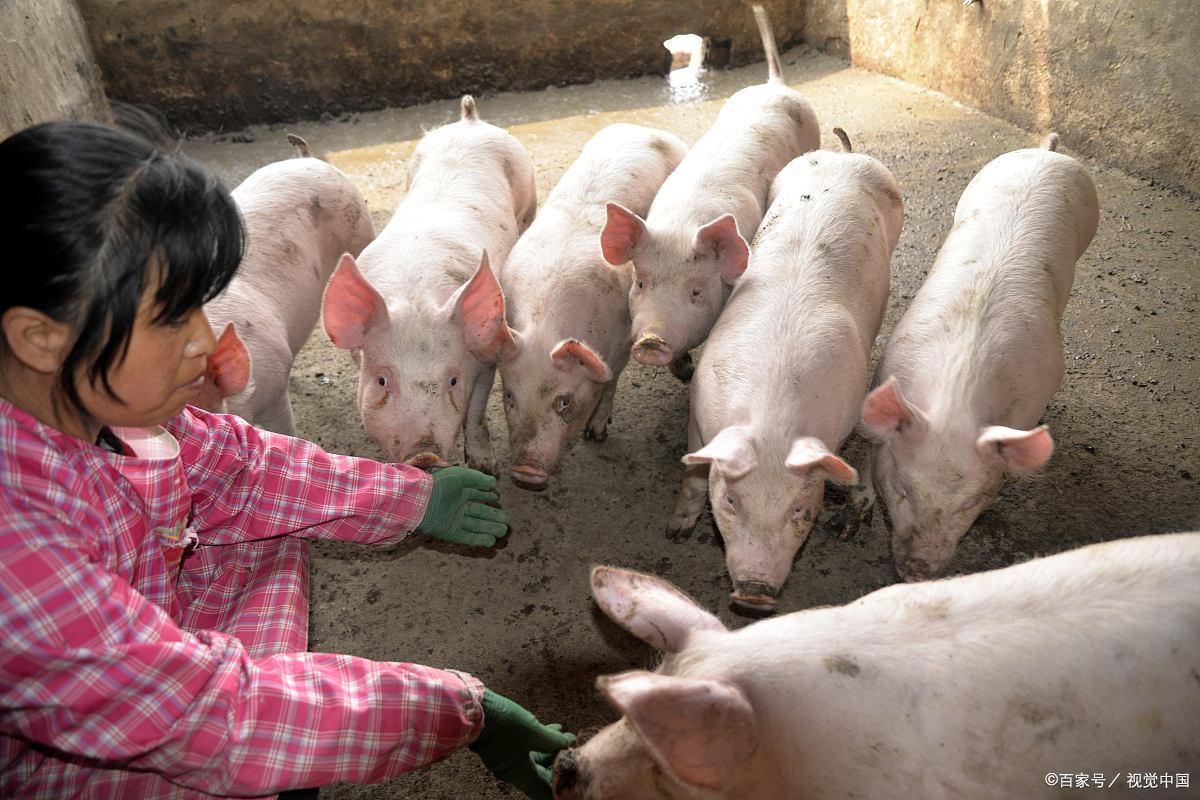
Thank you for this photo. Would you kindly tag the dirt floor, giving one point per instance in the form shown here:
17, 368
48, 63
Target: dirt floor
1125, 420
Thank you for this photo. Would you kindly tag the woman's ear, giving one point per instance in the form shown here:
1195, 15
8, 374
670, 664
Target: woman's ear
37, 340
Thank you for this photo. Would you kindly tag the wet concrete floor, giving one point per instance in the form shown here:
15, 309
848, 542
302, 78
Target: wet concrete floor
1126, 419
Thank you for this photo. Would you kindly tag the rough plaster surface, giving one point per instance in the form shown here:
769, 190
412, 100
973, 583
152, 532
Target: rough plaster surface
46, 67
214, 64
1120, 81
1127, 419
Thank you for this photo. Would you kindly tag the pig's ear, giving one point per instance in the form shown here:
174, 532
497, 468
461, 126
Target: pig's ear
732, 450
703, 732
229, 363
478, 306
572, 353
650, 608
809, 453
622, 231
886, 413
721, 240
351, 305
1021, 451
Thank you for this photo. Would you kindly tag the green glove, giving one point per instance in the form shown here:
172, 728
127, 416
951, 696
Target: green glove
458, 510
516, 748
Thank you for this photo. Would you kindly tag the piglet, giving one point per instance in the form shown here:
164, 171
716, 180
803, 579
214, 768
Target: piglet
972, 364
301, 215
783, 375
421, 310
691, 247
568, 308
988, 686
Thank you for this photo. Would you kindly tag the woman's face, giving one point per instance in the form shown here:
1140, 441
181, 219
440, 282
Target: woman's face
161, 372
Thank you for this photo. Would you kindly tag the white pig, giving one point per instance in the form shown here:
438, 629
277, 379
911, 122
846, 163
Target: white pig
568, 308
421, 310
782, 377
987, 686
691, 247
972, 364
300, 215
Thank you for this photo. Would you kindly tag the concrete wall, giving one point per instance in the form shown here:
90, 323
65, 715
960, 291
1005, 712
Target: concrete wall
1119, 81
46, 67
212, 63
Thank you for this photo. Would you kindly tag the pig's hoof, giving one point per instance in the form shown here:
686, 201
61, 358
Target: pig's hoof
683, 368
593, 435
487, 465
679, 533
849, 521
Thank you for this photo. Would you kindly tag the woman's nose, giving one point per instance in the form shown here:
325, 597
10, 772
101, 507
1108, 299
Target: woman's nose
201, 341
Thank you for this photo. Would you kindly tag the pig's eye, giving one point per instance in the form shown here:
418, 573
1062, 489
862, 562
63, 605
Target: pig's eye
730, 503
454, 381
383, 381
695, 292
971, 503
508, 398
562, 403
641, 284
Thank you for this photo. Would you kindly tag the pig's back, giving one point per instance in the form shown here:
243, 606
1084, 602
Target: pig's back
623, 163
469, 185
556, 276
728, 171
980, 685
986, 321
300, 216
798, 328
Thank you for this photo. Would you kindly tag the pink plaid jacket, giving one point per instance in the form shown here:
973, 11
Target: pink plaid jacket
153, 614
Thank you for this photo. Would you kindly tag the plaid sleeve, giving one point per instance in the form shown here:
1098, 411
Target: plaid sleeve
249, 483
89, 669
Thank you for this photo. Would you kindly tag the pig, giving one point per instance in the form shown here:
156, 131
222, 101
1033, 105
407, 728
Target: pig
421, 310
226, 373
984, 686
972, 364
301, 215
781, 380
568, 308
691, 247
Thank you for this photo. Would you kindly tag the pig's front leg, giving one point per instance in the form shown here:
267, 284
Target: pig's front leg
682, 367
597, 427
478, 440
277, 415
859, 505
692, 493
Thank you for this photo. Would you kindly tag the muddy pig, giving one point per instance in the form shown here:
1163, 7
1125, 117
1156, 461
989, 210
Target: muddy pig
972, 364
691, 247
782, 378
568, 308
421, 310
986, 686
301, 215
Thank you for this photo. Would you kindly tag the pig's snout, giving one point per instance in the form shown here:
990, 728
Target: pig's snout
652, 350
529, 476
913, 569
427, 461
565, 773
754, 598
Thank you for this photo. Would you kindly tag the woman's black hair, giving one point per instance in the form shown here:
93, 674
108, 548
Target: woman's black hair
92, 215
